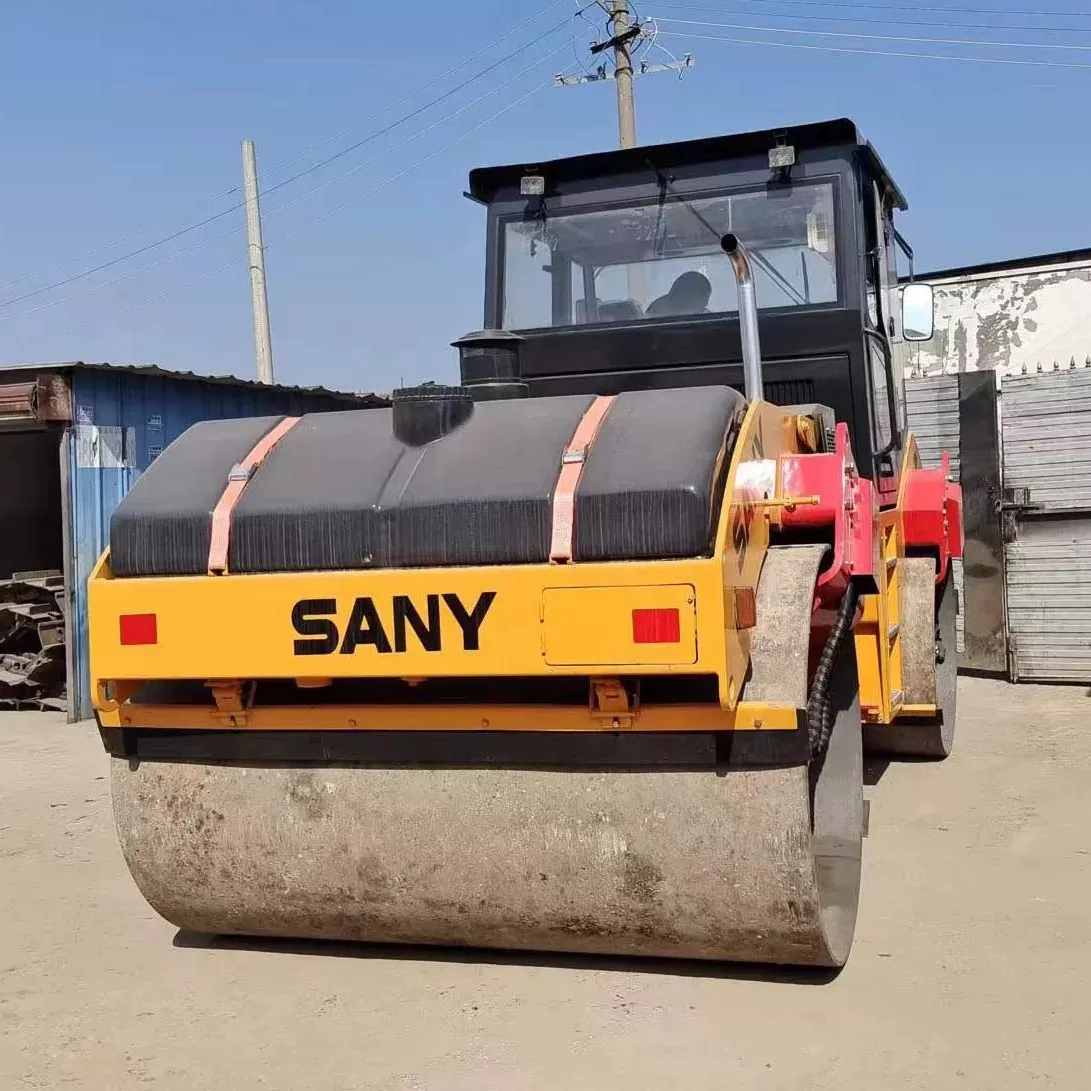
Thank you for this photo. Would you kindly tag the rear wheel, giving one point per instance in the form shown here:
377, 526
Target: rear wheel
930, 671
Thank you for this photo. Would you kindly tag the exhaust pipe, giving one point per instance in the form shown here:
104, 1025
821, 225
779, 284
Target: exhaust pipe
748, 316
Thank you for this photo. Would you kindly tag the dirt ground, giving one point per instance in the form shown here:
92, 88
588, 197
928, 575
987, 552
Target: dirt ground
972, 965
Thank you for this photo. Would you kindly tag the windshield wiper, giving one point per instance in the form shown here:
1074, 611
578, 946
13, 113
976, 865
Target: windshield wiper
756, 256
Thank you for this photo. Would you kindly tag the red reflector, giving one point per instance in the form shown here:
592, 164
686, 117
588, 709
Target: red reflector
139, 629
656, 627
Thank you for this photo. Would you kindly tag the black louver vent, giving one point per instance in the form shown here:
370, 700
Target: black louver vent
791, 392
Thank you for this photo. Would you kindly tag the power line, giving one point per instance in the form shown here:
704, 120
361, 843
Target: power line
882, 52
299, 174
945, 10
111, 246
278, 167
233, 264
857, 36
894, 20
294, 200
422, 132
483, 51
420, 162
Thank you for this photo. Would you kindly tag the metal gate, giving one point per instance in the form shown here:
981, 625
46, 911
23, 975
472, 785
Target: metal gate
957, 414
1047, 524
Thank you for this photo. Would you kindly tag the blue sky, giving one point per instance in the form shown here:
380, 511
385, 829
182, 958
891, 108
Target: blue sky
123, 118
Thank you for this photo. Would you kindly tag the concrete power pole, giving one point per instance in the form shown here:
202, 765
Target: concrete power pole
623, 35
623, 72
263, 341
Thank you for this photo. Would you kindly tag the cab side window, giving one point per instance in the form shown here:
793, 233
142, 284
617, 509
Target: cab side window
882, 287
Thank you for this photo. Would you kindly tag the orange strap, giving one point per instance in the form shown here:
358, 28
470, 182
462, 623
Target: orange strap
237, 480
564, 493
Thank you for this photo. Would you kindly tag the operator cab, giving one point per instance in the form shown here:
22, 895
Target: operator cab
610, 267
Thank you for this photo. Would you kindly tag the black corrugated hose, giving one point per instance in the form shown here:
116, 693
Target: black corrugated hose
819, 709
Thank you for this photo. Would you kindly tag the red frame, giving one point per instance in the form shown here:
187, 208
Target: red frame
845, 499
932, 515
931, 511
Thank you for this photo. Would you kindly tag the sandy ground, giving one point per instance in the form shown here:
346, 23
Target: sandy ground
972, 965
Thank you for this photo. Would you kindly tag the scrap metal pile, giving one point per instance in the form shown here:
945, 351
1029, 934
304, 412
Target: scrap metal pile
32, 638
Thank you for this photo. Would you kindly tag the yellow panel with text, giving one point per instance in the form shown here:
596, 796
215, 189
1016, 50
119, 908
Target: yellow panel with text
588, 626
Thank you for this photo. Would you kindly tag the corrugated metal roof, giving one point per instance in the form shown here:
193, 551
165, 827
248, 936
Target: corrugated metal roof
155, 371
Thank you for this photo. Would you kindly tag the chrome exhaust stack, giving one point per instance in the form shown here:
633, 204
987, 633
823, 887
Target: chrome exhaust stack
748, 315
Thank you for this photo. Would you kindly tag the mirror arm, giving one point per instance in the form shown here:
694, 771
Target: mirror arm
906, 249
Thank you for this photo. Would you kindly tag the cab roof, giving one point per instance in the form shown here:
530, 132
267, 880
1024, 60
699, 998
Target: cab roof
486, 182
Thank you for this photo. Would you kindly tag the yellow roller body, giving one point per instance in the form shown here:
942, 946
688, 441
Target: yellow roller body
658, 841
713, 863
537, 623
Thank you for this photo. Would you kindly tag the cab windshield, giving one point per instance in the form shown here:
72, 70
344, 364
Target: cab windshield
661, 259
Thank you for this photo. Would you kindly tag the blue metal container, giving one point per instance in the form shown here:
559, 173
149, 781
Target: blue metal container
111, 423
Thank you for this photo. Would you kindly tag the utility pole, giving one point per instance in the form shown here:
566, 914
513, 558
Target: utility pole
623, 33
263, 341
623, 71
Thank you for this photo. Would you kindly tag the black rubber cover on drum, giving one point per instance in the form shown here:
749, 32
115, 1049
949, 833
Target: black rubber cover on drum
163, 526
341, 492
647, 488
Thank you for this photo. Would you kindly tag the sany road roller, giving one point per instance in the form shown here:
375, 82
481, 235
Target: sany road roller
580, 655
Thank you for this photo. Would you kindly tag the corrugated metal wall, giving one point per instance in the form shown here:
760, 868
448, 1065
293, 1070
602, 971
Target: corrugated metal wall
1047, 437
931, 408
121, 420
932, 414
1047, 450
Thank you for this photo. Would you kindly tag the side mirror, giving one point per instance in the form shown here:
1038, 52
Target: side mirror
918, 312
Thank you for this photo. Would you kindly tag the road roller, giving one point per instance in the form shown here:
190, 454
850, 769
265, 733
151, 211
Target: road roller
584, 653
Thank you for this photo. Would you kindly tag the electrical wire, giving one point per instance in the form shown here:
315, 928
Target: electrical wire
893, 20
435, 125
856, 36
278, 167
944, 10
483, 51
294, 200
233, 263
401, 120
421, 162
580, 15
969, 59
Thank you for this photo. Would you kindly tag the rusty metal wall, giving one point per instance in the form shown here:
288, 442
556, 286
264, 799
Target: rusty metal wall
1047, 452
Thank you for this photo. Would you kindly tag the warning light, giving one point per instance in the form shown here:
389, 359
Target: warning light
139, 629
656, 627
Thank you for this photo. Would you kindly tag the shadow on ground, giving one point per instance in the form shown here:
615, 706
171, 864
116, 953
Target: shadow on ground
783, 975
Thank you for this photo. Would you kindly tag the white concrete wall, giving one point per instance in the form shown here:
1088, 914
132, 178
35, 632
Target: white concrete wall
1010, 321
